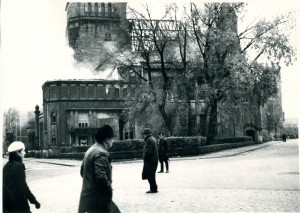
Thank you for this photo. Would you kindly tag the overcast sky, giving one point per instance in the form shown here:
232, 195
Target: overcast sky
34, 49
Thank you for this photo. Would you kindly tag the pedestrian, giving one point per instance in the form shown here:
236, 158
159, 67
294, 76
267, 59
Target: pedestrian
96, 171
16, 192
284, 137
163, 152
150, 158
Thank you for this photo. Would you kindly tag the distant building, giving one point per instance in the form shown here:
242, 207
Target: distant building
291, 127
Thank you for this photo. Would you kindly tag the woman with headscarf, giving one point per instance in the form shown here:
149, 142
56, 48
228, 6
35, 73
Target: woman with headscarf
16, 192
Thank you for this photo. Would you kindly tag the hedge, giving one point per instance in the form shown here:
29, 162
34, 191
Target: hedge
178, 146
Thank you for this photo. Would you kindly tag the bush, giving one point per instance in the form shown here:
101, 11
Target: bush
265, 136
73, 149
232, 140
182, 146
185, 142
127, 145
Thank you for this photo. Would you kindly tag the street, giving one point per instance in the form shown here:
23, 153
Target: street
258, 178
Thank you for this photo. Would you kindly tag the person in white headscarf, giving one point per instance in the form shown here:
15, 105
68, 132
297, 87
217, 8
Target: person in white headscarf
16, 192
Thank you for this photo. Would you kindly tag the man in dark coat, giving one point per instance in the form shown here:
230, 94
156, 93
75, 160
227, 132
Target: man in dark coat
15, 189
96, 171
163, 152
150, 158
284, 137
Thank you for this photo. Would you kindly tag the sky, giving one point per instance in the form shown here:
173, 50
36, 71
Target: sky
34, 49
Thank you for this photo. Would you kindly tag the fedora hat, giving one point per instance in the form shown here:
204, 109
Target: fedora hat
146, 131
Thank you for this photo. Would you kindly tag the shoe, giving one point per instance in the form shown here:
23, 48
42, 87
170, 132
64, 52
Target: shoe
167, 171
152, 191
160, 172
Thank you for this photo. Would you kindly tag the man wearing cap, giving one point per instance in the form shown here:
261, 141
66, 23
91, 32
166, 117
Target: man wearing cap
163, 152
150, 158
96, 172
15, 189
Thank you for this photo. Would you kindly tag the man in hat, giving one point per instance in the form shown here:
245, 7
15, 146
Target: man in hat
15, 189
163, 152
150, 158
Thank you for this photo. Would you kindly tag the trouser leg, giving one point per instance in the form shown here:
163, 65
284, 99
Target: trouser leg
167, 165
152, 182
161, 165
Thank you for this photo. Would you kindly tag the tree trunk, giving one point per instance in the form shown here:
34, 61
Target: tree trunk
212, 123
191, 120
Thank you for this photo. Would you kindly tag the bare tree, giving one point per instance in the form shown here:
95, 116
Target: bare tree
224, 60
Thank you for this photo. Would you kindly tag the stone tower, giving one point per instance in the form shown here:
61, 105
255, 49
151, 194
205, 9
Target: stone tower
90, 26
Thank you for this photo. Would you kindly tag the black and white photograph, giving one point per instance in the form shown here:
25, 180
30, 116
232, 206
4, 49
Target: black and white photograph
142, 106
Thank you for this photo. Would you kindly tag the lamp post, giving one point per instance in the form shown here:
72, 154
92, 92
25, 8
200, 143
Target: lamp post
36, 134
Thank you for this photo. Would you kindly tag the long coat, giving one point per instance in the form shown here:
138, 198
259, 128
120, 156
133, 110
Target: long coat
163, 150
15, 189
96, 171
150, 158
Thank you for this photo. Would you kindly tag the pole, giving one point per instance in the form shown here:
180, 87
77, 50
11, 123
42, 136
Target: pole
20, 129
16, 127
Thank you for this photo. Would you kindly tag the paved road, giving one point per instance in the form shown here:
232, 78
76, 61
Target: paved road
259, 178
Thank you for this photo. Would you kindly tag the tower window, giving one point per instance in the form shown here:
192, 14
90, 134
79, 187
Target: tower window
113, 9
53, 118
88, 8
109, 9
96, 8
106, 9
102, 9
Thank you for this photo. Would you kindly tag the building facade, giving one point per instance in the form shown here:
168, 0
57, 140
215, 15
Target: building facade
73, 109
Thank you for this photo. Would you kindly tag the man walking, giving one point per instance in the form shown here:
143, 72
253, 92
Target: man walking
150, 158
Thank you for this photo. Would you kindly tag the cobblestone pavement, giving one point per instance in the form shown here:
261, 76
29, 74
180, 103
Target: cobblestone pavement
258, 178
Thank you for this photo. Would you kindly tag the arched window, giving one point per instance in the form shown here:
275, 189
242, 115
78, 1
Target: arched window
109, 9
89, 7
113, 9
86, 8
106, 10
96, 9
102, 9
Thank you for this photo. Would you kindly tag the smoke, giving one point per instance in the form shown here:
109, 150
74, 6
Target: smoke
34, 50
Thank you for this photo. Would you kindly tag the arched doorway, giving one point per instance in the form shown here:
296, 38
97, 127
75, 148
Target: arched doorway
250, 130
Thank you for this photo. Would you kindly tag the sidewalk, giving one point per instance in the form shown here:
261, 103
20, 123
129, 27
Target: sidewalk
219, 154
